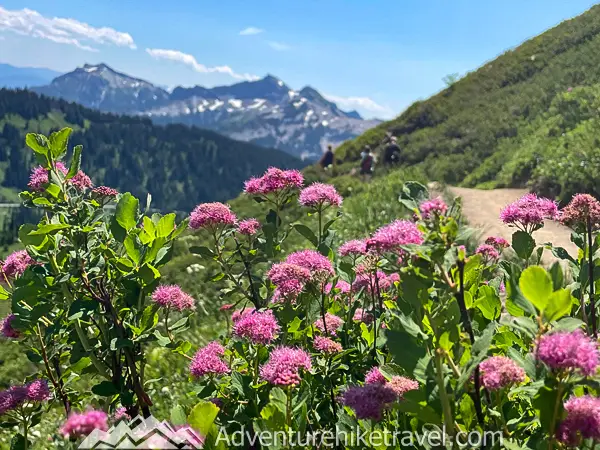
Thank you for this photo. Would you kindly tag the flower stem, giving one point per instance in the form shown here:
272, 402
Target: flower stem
559, 393
591, 275
447, 409
460, 298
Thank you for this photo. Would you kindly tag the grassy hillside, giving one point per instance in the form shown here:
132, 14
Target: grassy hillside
178, 165
473, 131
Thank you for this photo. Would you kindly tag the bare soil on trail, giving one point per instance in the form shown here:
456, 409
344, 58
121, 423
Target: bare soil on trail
482, 210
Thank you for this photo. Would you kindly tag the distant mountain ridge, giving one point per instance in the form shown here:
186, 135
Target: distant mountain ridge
178, 165
21, 77
266, 112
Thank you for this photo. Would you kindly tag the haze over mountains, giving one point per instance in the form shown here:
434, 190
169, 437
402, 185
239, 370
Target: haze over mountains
266, 112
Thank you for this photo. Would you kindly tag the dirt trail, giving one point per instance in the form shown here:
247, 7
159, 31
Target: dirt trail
482, 210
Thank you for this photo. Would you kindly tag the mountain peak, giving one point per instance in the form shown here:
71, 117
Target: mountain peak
97, 67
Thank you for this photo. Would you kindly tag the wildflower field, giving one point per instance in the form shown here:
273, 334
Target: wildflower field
402, 339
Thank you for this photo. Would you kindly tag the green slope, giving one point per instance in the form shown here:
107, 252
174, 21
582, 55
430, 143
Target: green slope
178, 165
468, 133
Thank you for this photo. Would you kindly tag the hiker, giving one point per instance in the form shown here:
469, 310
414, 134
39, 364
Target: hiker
392, 152
327, 159
367, 162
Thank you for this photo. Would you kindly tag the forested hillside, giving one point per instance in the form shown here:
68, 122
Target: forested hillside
180, 166
503, 125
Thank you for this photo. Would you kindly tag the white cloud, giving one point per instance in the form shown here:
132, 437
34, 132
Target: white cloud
61, 30
189, 60
251, 31
363, 103
279, 46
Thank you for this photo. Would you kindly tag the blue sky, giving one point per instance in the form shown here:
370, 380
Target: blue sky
377, 56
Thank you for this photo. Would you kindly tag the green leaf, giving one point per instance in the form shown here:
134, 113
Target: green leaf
557, 276
166, 225
178, 416
53, 190
49, 229
559, 305
105, 389
75, 162
148, 273
38, 143
536, 286
523, 244
149, 318
127, 211
59, 141
202, 251
117, 343
561, 253
568, 324
525, 361
133, 247
18, 442
41, 201
202, 417
404, 350
278, 398
546, 402
307, 233
488, 303
149, 226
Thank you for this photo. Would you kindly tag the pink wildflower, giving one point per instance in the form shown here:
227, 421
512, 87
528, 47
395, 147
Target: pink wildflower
569, 351
316, 263
374, 376
248, 227
121, 414
499, 372
582, 421
7, 329
79, 425
370, 282
81, 181
392, 236
341, 285
240, 313
319, 195
330, 325
326, 345
355, 247
211, 215
284, 365
401, 385
369, 401
581, 208
433, 208
171, 296
488, 252
208, 361
283, 272
274, 180
16, 263
38, 390
227, 307
529, 212
105, 191
287, 292
360, 315
497, 242
39, 177
258, 328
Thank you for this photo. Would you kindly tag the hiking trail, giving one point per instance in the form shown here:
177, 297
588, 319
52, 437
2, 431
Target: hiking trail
482, 209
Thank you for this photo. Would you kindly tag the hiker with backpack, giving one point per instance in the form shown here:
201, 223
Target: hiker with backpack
367, 162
